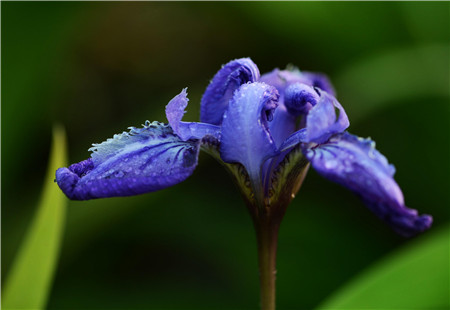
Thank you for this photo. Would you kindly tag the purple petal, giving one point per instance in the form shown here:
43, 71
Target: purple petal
322, 120
245, 135
325, 119
222, 87
282, 79
136, 162
355, 163
175, 110
300, 98
294, 139
282, 125
321, 81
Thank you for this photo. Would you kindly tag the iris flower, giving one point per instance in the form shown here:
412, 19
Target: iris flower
266, 130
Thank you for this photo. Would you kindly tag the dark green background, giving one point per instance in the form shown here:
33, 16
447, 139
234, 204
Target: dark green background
98, 68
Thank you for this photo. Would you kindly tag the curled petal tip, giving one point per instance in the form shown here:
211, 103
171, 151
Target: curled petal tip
222, 87
409, 226
68, 178
175, 109
424, 222
300, 98
66, 181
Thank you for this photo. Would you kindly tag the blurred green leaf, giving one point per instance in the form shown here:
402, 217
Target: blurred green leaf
415, 277
29, 281
383, 79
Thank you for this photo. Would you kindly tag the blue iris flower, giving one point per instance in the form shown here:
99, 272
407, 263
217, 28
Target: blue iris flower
266, 130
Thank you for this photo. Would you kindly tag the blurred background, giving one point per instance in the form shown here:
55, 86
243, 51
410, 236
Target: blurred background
97, 68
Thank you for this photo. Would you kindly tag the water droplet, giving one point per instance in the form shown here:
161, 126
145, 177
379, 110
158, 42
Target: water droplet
330, 164
119, 174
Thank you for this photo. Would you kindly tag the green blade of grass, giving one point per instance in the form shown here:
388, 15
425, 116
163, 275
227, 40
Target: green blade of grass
29, 281
416, 277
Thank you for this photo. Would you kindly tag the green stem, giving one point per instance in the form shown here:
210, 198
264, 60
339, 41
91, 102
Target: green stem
267, 235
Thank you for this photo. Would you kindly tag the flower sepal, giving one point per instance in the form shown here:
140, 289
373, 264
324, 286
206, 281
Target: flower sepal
287, 178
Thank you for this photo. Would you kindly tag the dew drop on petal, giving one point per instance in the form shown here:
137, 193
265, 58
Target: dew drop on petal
330, 164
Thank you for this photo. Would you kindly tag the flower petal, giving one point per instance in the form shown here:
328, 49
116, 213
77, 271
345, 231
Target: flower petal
282, 79
325, 119
294, 139
220, 90
282, 125
284, 122
136, 162
245, 135
355, 163
325, 115
299, 98
321, 81
175, 110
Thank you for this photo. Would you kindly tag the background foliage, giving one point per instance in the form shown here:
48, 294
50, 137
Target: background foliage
98, 68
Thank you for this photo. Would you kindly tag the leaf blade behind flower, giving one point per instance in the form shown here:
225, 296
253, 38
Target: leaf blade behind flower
29, 281
416, 277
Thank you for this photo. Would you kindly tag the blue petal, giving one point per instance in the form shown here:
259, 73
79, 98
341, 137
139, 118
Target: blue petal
282, 125
223, 85
325, 119
300, 98
245, 135
282, 79
321, 81
297, 137
175, 110
136, 162
356, 164
325, 115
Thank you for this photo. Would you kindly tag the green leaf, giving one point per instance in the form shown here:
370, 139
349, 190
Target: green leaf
416, 277
392, 76
29, 281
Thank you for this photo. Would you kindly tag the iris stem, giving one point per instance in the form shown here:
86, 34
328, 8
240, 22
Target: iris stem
267, 237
